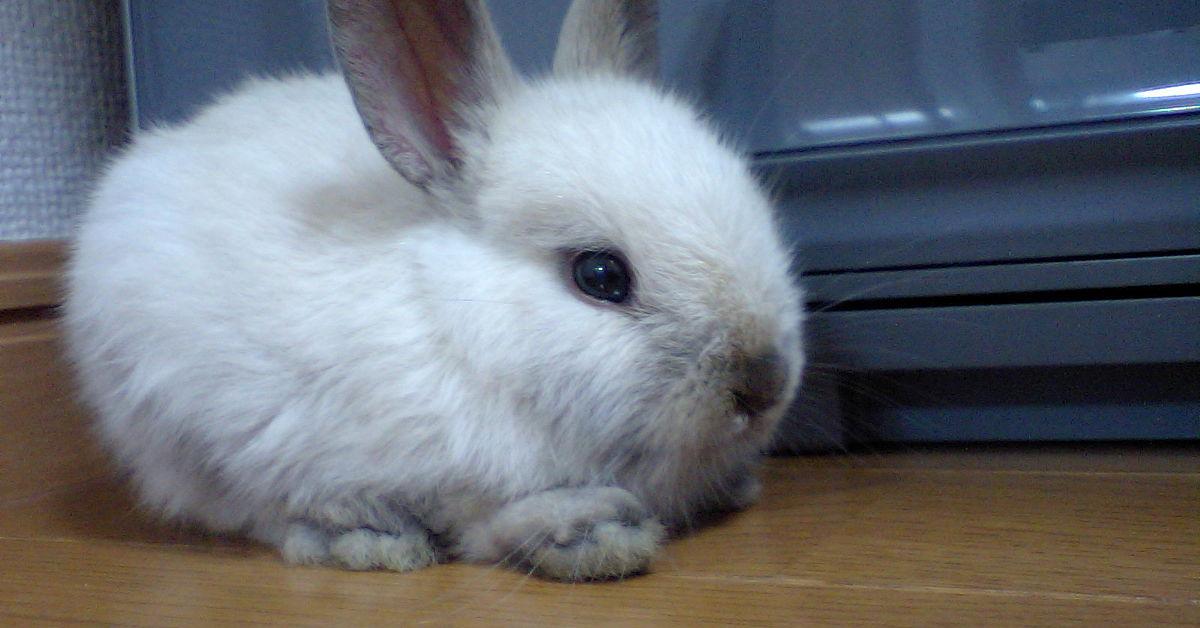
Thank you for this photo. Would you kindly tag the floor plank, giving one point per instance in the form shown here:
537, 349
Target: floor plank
1113, 534
1031, 537
141, 585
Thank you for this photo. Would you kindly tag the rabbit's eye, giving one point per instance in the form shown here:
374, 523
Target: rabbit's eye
601, 275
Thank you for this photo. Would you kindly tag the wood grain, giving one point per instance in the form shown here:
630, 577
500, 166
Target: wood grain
1049, 535
831, 545
137, 585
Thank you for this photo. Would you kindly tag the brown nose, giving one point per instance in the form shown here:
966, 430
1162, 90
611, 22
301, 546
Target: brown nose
760, 382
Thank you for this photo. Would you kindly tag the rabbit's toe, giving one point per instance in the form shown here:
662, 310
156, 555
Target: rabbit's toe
358, 549
363, 549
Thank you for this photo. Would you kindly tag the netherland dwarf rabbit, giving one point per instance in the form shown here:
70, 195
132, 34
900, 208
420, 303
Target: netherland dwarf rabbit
539, 323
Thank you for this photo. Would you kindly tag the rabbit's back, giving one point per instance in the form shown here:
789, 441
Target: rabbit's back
222, 281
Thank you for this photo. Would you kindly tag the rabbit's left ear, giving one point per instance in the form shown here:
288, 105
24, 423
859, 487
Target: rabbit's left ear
414, 66
616, 36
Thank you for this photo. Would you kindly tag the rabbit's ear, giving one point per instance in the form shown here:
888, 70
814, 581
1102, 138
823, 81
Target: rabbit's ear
609, 35
414, 68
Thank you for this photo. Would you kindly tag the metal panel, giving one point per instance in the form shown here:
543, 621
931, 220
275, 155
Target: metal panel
1037, 334
1115, 188
783, 74
1086, 274
1159, 401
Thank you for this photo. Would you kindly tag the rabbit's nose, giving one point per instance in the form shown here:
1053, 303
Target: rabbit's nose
760, 382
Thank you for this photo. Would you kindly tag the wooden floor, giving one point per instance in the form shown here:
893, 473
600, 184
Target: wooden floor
1053, 536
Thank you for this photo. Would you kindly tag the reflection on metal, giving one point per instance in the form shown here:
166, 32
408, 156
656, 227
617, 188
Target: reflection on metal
1174, 91
789, 74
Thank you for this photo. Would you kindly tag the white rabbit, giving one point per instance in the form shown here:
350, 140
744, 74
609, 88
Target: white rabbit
566, 327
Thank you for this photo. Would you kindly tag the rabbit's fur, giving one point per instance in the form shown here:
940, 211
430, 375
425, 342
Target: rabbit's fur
283, 337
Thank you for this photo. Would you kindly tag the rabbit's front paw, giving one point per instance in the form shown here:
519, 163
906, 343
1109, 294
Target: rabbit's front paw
358, 549
573, 534
597, 550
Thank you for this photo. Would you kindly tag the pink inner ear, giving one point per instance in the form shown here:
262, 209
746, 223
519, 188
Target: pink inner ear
406, 62
437, 41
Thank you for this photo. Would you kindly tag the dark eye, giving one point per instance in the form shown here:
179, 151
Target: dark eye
601, 275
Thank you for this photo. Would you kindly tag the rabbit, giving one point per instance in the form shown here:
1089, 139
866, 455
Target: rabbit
425, 309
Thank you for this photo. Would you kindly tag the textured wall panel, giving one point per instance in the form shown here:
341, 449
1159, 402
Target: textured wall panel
63, 106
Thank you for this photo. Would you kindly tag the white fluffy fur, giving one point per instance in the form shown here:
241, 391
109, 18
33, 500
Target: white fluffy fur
284, 338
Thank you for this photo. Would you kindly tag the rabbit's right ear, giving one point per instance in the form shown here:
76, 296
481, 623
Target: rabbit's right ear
414, 67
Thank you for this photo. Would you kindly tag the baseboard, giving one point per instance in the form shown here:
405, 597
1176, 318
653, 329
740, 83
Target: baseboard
45, 440
30, 274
